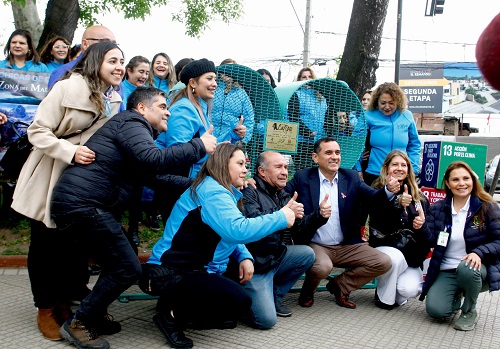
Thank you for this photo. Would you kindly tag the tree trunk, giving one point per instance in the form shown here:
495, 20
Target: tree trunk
61, 18
362, 47
27, 18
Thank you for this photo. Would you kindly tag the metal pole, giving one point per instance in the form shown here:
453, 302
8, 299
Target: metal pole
398, 41
495, 180
307, 35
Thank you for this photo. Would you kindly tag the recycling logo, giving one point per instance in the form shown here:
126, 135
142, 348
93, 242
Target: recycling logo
429, 170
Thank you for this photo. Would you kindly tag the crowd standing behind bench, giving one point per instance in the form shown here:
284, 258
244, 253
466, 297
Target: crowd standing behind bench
321, 225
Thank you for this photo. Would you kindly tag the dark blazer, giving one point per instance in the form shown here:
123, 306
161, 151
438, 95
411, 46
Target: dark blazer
353, 192
482, 236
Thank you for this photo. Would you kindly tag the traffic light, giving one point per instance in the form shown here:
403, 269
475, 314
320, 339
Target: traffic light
435, 8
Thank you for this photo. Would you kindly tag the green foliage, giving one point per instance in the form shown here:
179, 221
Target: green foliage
16, 251
194, 14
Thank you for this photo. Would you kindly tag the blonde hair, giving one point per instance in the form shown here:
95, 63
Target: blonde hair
410, 179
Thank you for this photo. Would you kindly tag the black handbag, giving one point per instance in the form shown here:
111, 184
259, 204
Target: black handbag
16, 154
156, 279
401, 239
18, 151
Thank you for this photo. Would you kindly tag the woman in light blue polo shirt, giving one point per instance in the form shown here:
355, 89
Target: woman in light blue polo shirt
21, 54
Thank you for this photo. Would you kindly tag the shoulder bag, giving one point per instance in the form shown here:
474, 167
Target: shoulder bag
18, 151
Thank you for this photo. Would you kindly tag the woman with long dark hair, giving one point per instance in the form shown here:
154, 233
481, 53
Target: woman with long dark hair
205, 229
55, 52
73, 110
465, 230
20, 53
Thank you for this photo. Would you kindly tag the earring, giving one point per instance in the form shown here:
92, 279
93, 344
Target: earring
193, 90
29, 52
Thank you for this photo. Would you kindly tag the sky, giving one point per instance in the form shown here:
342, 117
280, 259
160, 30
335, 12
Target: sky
269, 34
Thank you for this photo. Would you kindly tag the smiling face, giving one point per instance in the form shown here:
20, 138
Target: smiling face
139, 75
398, 168
237, 168
160, 67
276, 173
19, 46
386, 104
60, 50
112, 69
204, 87
328, 158
157, 114
460, 183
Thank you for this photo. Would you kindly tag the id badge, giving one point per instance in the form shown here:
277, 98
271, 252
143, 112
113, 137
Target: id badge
443, 238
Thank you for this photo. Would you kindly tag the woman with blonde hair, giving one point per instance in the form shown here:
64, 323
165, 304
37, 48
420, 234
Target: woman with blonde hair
402, 219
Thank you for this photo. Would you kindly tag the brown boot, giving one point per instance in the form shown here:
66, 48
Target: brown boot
63, 313
48, 325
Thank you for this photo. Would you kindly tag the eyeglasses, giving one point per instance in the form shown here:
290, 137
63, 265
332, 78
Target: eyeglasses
102, 40
61, 47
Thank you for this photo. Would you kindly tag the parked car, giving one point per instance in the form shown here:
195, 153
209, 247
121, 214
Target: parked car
490, 173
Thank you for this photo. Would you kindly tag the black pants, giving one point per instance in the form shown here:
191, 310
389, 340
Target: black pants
57, 268
205, 298
100, 234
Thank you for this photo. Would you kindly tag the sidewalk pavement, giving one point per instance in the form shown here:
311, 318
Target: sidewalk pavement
325, 325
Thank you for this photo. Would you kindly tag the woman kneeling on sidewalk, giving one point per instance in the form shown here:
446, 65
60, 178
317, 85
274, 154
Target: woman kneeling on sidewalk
465, 228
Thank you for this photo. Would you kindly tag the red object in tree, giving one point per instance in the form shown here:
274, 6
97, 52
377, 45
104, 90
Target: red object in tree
488, 53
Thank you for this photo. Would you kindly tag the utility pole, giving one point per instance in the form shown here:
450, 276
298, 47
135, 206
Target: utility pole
307, 35
398, 41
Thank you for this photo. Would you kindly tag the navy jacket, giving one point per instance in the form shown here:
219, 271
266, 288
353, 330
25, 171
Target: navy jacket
481, 237
126, 157
353, 192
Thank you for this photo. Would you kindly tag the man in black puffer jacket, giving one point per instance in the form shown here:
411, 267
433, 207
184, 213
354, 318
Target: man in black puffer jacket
89, 199
277, 266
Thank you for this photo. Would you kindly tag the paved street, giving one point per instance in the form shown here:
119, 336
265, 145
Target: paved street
325, 325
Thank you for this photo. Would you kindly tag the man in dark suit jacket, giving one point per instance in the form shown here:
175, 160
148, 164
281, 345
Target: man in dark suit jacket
338, 242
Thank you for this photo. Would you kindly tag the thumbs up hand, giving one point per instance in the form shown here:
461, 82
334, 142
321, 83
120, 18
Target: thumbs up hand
325, 208
209, 140
290, 215
392, 184
420, 219
297, 207
240, 129
405, 199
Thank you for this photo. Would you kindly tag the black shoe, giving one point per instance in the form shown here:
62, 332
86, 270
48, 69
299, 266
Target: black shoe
171, 331
282, 310
107, 326
383, 305
134, 236
154, 225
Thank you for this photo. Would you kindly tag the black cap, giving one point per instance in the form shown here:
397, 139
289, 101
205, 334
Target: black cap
196, 68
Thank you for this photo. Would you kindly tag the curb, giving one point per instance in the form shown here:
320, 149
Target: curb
21, 261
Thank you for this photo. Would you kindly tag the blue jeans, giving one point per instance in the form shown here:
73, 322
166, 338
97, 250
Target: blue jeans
100, 234
270, 288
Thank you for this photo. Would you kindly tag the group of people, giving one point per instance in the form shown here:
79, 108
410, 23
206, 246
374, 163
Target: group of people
232, 247
21, 53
